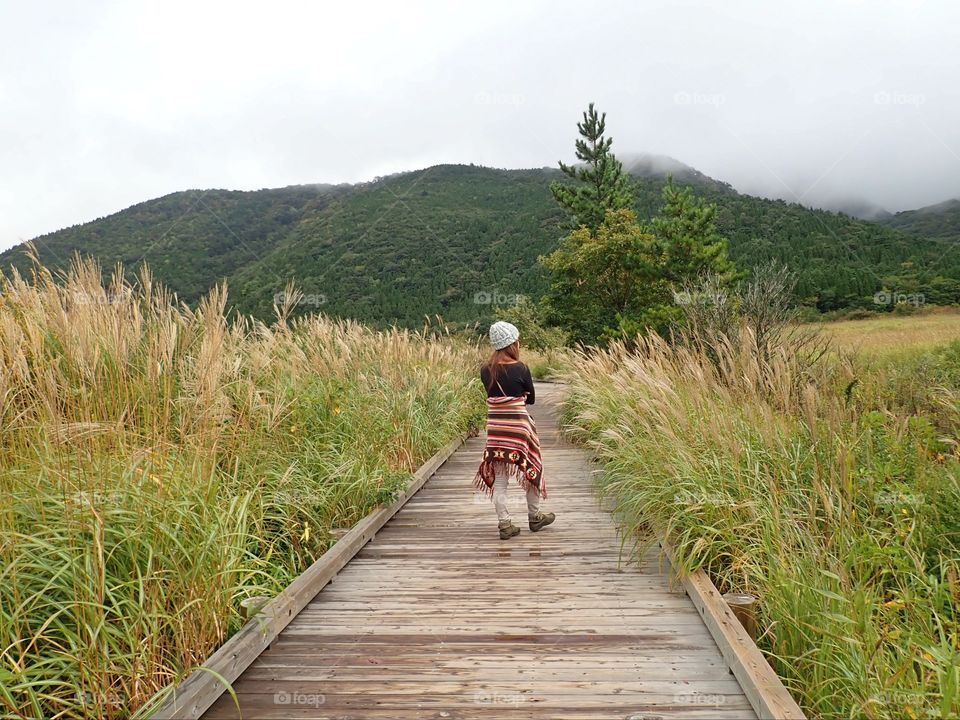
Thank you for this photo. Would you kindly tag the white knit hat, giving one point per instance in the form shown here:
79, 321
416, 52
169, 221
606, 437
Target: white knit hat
503, 334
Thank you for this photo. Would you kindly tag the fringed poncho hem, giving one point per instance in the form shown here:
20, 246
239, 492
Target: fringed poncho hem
512, 447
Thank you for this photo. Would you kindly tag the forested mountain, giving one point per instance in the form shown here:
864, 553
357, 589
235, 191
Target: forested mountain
454, 239
935, 222
189, 239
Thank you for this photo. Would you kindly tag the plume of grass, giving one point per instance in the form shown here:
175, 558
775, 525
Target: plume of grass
841, 516
159, 463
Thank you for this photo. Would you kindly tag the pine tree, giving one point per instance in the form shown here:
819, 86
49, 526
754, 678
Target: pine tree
688, 237
603, 184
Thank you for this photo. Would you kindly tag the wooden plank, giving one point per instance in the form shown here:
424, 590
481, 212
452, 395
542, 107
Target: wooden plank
438, 688
767, 694
610, 664
270, 703
494, 708
610, 667
201, 689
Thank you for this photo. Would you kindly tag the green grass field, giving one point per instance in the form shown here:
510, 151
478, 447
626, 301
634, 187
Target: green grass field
831, 492
892, 333
158, 465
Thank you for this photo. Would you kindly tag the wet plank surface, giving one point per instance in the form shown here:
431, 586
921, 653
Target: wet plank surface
438, 618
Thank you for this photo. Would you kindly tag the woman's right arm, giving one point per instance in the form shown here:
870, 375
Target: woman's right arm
528, 384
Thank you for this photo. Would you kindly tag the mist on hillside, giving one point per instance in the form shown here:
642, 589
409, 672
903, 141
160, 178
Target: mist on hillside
846, 105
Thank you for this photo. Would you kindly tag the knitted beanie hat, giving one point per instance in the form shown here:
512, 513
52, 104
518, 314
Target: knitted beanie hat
503, 334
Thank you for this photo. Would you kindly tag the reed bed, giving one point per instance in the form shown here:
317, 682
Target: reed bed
806, 484
158, 464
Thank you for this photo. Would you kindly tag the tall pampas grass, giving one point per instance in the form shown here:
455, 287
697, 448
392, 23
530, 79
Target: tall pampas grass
159, 463
838, 509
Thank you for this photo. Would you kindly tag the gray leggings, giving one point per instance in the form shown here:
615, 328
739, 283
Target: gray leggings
500, 483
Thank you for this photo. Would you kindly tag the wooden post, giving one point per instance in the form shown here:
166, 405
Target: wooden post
744, 606
251, 606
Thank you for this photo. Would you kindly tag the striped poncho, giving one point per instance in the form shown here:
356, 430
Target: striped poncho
512, 447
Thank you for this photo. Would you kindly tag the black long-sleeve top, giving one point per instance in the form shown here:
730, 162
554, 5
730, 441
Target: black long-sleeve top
514, 379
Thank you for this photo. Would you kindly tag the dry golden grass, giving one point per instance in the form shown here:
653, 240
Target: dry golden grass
819, 489
158, 464
895, 333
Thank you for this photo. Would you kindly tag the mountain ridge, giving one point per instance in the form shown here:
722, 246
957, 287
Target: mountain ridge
428, 241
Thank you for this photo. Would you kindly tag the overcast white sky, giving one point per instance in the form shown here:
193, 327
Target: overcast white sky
105, 104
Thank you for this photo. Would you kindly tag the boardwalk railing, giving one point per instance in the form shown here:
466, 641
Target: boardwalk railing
767, 695
201, 689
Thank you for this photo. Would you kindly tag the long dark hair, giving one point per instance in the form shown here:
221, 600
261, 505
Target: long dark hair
499, 357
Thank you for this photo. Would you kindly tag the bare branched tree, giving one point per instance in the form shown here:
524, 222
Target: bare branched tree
766, 303
760, 308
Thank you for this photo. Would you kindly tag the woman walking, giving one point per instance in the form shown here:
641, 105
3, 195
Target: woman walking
513, 447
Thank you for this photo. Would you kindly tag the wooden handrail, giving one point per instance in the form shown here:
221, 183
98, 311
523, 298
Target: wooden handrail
762, 686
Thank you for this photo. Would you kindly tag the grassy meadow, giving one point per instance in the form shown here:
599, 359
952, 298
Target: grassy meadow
904, 364
160, 464
830, 489
889, 334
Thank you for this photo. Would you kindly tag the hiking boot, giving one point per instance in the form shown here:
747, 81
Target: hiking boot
541, 520
508, 530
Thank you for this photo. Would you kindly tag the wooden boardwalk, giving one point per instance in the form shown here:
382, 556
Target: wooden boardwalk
438, 618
